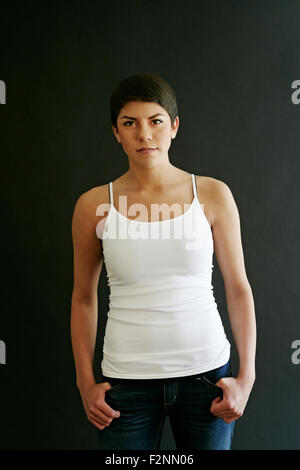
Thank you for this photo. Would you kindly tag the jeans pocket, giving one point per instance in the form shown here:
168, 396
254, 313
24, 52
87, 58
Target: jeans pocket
206, 381
115, 387
115, 384
211, 377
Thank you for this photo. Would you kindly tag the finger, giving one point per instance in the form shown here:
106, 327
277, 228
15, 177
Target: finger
104, 407
100, 417
229, 420
225, 409
107, 410
225, 414
99, 426
103, 412
221, 410
217, 404
216, 400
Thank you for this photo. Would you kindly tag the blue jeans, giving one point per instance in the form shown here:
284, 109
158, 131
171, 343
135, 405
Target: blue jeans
145, 403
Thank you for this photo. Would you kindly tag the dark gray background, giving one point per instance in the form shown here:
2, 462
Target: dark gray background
231, 64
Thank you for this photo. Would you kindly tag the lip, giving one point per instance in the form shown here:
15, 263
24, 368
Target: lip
146, 150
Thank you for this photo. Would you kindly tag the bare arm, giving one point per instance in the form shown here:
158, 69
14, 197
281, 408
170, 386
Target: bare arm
88, 260
240, 304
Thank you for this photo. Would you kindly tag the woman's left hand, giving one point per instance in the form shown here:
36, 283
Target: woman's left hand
235, 396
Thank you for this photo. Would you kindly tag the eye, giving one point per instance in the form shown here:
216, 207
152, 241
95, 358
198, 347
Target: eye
130, 122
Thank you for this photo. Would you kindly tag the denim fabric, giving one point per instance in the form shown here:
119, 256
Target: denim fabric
145, 403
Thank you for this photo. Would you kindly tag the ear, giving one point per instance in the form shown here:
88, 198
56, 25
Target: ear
174, 127
115, 131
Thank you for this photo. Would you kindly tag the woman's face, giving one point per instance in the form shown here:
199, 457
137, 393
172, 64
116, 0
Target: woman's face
145, 125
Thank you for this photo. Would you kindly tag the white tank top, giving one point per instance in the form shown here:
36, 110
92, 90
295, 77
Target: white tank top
163, 320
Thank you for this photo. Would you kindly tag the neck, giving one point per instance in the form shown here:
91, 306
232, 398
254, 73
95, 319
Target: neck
151, 178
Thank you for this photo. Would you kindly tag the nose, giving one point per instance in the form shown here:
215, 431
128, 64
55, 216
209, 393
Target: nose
144, 133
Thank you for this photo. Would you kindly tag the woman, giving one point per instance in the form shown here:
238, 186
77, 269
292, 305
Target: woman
165, 350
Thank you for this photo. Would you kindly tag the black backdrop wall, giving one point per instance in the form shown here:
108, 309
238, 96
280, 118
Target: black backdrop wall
233, 66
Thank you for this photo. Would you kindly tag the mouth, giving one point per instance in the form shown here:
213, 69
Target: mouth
147, 150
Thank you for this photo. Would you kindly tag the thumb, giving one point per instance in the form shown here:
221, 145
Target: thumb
216, 401
107, 385
215, 405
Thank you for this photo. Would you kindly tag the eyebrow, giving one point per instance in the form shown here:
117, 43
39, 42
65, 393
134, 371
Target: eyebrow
134, 119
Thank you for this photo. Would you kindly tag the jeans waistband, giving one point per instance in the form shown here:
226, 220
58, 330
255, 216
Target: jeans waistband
114, 380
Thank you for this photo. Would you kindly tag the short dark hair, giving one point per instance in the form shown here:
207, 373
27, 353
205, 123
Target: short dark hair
143, 87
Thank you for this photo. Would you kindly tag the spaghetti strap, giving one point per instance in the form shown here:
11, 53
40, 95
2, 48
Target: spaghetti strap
111, 196
194, 186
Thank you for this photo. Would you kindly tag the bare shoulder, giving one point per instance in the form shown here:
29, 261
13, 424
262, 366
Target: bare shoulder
212, 186
216, 195
87, 246
213, 189
92, 198
90, 208
96, 194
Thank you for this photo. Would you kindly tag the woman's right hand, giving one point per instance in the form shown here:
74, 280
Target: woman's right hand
96, 408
